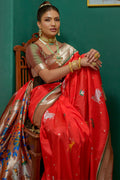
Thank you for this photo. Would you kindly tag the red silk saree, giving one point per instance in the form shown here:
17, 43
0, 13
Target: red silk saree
74, 128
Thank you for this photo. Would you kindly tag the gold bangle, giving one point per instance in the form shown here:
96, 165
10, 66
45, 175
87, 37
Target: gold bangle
79, 61
70, 66
74, 64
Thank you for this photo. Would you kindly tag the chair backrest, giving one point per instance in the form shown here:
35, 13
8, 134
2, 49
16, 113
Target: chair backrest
23, 74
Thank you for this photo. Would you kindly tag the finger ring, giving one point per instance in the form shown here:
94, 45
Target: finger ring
94, 63
97, 55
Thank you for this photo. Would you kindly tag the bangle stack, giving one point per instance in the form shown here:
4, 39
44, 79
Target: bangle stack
74, 64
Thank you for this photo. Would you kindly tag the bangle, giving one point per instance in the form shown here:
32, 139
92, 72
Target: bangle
79, 60
74, 64
70, 66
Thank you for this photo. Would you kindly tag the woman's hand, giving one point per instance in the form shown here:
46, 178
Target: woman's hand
93, 55
85, 63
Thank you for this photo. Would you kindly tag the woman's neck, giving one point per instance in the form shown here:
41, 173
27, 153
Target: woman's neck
48, 40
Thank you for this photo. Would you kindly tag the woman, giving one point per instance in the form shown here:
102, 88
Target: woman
65, 100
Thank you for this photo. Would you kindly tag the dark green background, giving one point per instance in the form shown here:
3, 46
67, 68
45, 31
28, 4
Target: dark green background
82, 27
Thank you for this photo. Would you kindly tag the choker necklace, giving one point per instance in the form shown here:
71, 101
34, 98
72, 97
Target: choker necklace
49, 41
57, 57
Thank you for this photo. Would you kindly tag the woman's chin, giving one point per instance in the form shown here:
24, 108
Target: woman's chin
52, 34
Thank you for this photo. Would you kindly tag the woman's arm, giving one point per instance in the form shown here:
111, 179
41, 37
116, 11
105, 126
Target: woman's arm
35, 60
56, 74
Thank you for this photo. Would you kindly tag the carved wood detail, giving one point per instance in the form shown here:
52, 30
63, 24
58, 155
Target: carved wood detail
23, 74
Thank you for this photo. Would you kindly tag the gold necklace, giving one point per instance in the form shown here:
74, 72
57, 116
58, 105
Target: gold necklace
49, 41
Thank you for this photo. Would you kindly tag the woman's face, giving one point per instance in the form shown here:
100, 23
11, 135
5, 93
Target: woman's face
49, 24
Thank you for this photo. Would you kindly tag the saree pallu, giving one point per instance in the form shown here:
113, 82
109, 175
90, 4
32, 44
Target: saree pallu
74, 132
15, 161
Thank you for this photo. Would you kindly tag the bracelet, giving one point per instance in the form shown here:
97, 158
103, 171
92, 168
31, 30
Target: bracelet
70, 66
74, 64
79, 60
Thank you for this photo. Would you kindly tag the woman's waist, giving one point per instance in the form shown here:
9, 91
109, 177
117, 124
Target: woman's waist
39, 81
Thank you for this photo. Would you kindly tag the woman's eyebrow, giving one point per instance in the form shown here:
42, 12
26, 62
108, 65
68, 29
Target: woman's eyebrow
51, 17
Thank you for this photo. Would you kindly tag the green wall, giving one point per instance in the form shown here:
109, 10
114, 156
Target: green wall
25, 19
6, 55
82, 27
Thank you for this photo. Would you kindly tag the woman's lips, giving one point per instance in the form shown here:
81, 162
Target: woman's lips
53, 29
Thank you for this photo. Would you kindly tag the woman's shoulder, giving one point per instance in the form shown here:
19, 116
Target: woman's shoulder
68, 46
32, 46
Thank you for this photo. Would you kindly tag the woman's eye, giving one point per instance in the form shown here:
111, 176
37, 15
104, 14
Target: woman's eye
57, 19
47, 19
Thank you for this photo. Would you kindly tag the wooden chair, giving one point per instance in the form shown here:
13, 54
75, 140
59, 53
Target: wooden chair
23, 75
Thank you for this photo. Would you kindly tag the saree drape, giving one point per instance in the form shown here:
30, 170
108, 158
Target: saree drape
15, 161
74, 129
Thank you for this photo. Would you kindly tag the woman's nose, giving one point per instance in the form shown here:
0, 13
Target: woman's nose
53, 23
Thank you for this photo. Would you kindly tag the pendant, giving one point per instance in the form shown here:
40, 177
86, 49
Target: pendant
59, 60
51, 44
58, 56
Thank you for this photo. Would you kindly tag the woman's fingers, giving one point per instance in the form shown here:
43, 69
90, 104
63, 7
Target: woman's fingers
92, 52
97, 66
99, 63
93, 67
92, 55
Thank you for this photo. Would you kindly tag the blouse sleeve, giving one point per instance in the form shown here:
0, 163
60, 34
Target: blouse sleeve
35, 58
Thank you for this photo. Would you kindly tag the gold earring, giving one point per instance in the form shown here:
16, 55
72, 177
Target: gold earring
59, 32
40, 32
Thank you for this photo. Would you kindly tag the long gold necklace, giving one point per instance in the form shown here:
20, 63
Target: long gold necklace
57, 57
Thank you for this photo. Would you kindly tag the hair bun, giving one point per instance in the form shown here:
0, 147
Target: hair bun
45, 3
44, 7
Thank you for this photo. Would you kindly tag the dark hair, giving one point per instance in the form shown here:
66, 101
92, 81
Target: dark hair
44, 9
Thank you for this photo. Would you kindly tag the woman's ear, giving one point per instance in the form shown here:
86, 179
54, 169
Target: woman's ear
39, 24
